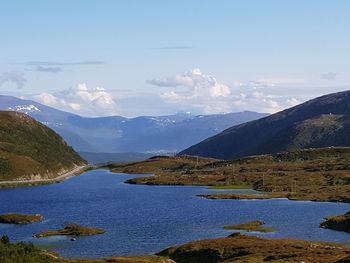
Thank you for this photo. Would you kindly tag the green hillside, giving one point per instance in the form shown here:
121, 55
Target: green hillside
321, 122
30, 150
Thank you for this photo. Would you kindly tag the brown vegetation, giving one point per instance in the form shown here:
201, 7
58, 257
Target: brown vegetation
256, 226
72, 230
20, 219
240, 248
312, 174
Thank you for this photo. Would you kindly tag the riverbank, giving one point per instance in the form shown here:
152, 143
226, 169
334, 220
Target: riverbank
234, 248
74, 172
312, 174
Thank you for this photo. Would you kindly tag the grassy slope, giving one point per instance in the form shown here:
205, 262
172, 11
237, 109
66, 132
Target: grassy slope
239, 248
321, 122
29, 148
313, 174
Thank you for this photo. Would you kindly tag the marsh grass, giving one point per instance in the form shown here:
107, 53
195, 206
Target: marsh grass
251, 226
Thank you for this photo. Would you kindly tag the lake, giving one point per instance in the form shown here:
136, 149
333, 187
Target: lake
143, 219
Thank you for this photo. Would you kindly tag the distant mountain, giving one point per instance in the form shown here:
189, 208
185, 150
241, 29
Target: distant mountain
321, 122
114, 134
31, 150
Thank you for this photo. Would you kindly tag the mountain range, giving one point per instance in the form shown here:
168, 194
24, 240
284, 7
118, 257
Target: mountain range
320, 122
116, 134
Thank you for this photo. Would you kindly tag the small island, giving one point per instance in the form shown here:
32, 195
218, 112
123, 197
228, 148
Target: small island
251, 226
71, 229
20, 219
339, 223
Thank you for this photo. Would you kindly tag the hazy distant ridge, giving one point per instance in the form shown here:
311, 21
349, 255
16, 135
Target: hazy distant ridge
146, 134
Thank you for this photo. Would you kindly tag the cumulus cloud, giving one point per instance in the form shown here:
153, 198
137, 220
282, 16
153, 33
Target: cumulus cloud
15, 77
49, 69
82, 100
48, 98
195, 88
199, 92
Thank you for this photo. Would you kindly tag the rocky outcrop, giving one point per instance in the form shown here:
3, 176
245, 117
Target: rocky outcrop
339, 223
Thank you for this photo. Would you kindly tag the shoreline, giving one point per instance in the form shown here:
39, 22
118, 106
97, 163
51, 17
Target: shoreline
215, 245
74, 172
304, 176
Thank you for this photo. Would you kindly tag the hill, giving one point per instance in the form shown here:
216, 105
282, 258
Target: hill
312, 174
321, 122
115, 134
30, 150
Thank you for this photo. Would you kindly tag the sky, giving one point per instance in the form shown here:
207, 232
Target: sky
157, 57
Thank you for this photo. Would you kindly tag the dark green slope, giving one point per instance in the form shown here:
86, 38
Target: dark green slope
29, 149
321, 122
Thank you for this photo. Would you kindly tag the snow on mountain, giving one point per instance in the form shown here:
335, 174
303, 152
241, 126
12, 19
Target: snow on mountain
24, 108
113, 134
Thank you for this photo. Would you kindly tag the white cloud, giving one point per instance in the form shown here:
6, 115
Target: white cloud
198, 92
196, 84
194, 88
47, 98
81, 100
256, 101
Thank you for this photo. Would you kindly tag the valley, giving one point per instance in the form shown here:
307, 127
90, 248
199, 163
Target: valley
119, 199
143, 135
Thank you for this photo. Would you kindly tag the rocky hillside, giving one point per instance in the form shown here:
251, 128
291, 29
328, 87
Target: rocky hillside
30, 150
321, 122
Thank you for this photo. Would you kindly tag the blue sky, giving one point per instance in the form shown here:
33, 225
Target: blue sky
104, 57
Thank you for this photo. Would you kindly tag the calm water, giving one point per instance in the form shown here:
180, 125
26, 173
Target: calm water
146, 219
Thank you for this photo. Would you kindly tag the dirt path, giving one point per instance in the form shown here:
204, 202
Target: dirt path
61, 177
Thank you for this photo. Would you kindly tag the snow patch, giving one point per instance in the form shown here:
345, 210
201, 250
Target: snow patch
25, 108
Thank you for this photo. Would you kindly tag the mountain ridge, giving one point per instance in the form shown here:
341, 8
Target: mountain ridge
324, 120
146, 134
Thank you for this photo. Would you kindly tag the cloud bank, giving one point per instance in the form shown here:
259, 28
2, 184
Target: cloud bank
195, 88
204, 93
81, 100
